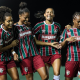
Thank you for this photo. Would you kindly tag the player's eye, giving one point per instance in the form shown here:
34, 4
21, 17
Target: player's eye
8, 21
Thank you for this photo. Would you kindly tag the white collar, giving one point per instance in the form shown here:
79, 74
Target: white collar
49, 24
3, 28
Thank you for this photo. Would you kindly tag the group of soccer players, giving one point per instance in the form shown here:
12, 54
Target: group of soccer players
18, 42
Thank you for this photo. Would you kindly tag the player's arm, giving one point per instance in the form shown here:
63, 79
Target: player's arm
70, 39
54, 44
13, 44
14, 54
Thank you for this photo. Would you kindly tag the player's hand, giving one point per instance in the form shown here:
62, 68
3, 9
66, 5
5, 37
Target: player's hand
71, 39
79, 76
14, 43
68, 27
15, 57
56, 45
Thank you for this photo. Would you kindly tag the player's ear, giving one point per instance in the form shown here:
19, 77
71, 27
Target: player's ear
19, 15
44, 14
53, 15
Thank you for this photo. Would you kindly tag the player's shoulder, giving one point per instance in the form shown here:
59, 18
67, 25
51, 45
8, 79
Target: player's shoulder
40, 23
56, 23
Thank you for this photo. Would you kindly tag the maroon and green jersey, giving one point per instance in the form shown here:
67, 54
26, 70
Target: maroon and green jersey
27, 46
6, 37
47, 33
73, 49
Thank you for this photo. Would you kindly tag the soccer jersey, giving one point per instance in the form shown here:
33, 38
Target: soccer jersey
6, 37
73, 49
27, 46
47, 33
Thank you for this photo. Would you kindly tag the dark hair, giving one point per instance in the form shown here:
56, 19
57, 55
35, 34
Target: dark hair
6, 14
23, 8
4, 11
40, 14
76, 14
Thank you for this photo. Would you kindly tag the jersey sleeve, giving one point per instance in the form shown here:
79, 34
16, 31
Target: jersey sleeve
36, 29
1, 39
63, 36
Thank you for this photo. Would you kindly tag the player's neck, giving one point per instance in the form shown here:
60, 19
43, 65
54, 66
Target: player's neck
20, 23
4, 27
74, 26
48, 22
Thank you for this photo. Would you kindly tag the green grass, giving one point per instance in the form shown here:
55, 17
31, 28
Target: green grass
37, 77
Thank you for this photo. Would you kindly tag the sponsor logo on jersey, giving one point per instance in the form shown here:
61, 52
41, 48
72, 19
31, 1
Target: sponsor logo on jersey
1, 70
48, 37
67, 72
25, 33
26, 69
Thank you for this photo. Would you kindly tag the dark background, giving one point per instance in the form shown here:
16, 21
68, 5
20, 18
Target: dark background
64, 9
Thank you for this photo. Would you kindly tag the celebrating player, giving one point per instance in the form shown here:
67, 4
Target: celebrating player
27, 51
7, 63
48, 33
71, 37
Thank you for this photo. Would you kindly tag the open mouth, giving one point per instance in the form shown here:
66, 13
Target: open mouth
48, 16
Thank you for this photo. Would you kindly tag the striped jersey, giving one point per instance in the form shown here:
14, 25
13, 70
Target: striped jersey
47, 33
6, 37
27, 46
73, 49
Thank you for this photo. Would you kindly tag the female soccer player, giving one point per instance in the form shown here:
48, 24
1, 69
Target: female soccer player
27, 50
71, 37
48, 33
7, 63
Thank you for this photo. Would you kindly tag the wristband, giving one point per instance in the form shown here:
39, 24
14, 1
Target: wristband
13, 52
33, 35
78, 72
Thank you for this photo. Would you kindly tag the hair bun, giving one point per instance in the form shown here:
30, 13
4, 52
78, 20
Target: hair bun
23, 5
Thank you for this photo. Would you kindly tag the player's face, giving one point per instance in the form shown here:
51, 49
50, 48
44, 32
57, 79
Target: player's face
49, 14
8, 22
76, 22
25, 17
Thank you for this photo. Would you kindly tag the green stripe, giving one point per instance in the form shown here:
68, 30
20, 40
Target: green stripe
22, 49
32, 49
46, 47
2, 37
26, 45
37, 25
36, 50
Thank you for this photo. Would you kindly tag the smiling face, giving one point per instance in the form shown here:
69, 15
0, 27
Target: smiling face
49, 14
76, 21
8, 22
24, 17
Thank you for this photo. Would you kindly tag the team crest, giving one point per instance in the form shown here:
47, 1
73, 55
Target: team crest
26, 69
1, 70
69, 33
43, 31
67, 72
24, 27
20, 30
55, 31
